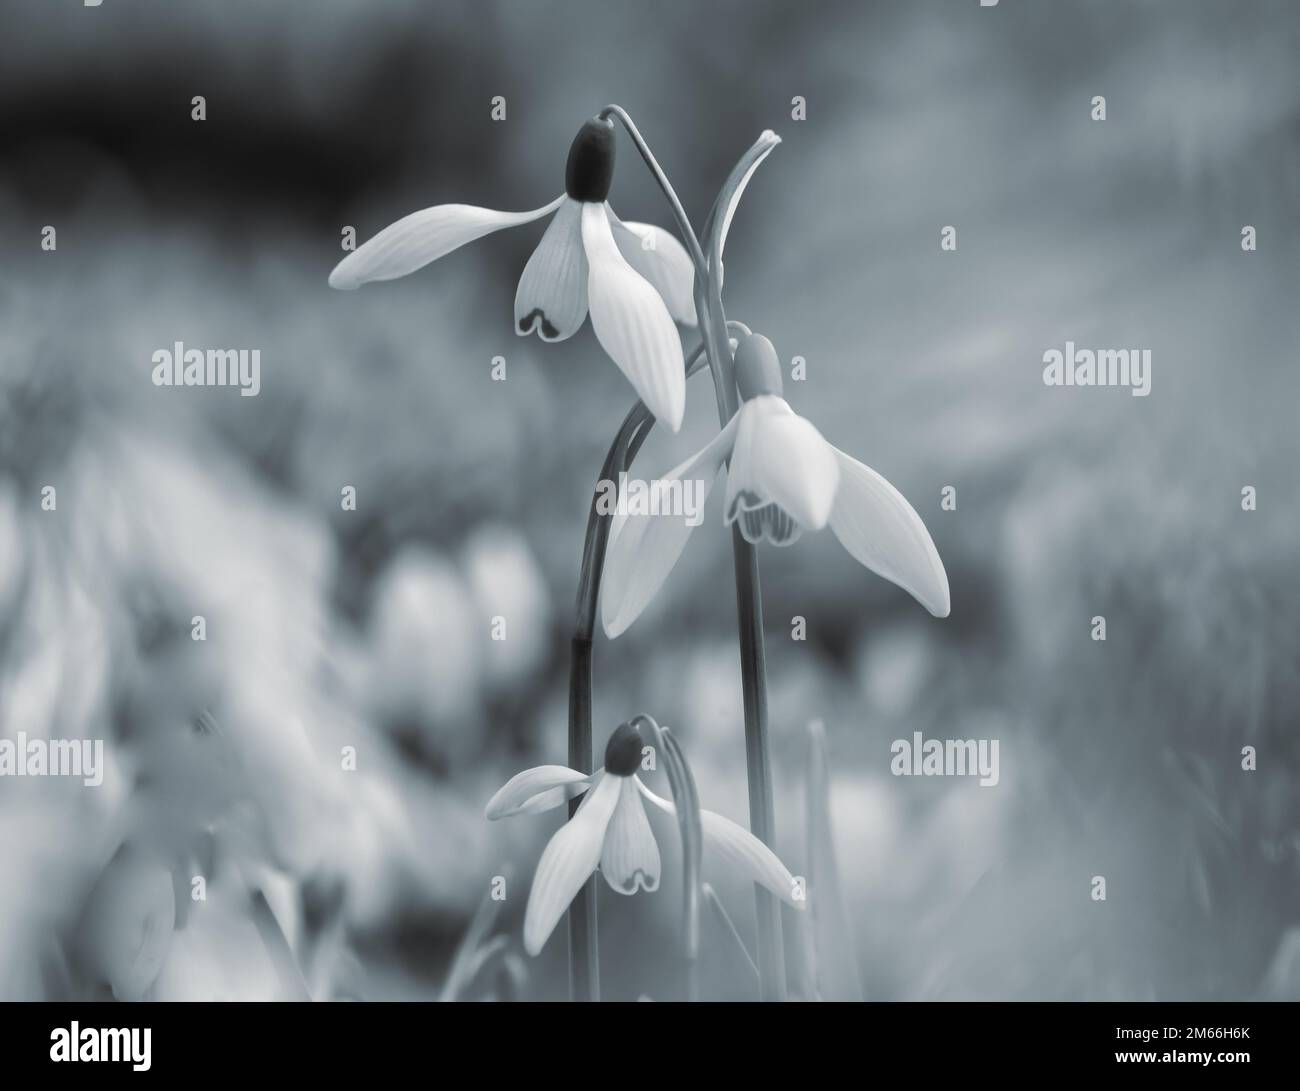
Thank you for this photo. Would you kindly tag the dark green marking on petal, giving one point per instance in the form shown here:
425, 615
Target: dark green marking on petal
534, 318
768, 523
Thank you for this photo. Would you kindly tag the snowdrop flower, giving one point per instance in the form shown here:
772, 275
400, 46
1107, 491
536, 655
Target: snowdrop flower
611, 831
635, 279
784, 478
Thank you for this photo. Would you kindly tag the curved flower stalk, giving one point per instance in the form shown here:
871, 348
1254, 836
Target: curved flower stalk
784, 479
611, 833
691, 826
634, 279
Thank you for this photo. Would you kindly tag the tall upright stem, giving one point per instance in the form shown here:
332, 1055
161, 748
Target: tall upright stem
753, 660
758, 758
584, 954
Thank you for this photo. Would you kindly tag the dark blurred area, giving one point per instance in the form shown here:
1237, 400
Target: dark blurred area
370, 629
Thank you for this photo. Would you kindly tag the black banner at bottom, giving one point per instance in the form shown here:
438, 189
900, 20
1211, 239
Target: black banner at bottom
340, 1041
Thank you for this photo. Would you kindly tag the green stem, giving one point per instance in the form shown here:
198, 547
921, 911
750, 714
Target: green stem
584, 961
753, 659
758, 758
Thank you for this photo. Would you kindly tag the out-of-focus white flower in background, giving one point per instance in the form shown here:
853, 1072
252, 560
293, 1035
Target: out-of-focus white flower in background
219, 954
128, 923
426, 635
508, 584
895, 662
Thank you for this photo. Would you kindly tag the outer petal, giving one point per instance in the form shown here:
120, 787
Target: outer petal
738, 849
415, 240
781, 458
642, 549
569, 859
631, 856
552, 295
536, 790
663, 261
882, 531
632, 322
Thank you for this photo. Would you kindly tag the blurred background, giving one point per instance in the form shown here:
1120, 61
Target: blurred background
371, 629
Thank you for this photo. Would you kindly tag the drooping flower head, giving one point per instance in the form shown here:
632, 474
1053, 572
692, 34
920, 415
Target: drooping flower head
783, 479
634, 279
611, 833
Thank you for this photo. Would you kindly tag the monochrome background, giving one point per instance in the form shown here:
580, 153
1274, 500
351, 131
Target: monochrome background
371, 628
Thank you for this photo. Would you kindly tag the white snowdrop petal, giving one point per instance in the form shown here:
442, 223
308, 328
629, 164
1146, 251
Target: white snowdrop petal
552, 295
630, 858
881, 530
747, 855
568, 862
663, 261
742, 489
643, 549
793, 465
536, 790
415, 240
781, 459
632, 322
733, 847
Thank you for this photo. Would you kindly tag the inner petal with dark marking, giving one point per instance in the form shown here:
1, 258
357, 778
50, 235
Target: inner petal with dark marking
763, 522
536, 317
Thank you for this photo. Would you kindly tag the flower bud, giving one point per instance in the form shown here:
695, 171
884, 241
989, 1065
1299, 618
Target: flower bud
590, 169
623, 752
758, 371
